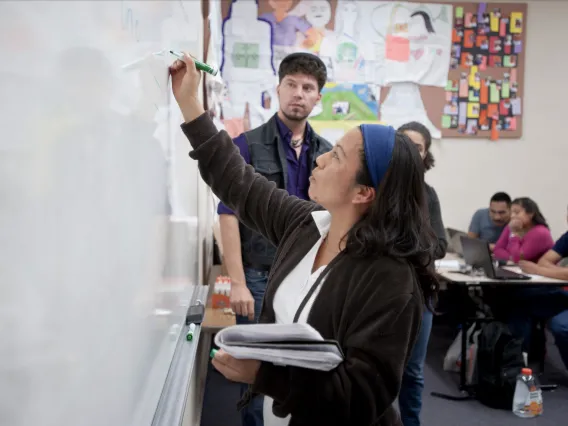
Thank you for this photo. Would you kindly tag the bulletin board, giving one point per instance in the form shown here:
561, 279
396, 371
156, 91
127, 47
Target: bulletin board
485, 90
458, 68
365, 45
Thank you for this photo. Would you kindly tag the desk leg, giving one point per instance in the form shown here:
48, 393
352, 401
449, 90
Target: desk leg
541, 362
464, 391
463, 365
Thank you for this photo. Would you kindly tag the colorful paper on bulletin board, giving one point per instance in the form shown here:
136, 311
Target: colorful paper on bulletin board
344, 101
488, 66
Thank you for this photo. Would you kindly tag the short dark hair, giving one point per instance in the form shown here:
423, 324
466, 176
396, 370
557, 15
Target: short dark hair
420, 128
397, 223
303, 63
531, 208
501, 197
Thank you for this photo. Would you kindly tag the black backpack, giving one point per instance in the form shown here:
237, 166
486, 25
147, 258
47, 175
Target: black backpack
499, 361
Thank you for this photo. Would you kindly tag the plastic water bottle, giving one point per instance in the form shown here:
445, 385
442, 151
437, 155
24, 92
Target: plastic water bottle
527, 401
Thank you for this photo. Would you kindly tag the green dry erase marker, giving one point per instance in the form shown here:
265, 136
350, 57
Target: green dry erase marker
189, 335
201, 66
212, 353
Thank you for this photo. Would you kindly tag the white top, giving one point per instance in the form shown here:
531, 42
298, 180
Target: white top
290, 295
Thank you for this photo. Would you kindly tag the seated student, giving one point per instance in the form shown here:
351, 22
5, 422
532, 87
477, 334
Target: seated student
487, 224
548, 265
527, 236
548, 302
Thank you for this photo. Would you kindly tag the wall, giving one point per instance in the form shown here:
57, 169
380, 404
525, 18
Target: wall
469, 171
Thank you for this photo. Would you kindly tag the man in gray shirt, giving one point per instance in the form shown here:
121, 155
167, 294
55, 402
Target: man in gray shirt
488, 224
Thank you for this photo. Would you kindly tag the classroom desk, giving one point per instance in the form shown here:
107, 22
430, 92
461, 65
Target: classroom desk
464, 283
216, 320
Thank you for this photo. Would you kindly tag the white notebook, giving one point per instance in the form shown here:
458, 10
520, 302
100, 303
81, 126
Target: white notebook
297, 345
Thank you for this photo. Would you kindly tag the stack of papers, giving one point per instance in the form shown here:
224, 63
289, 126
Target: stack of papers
297, 345
447, 264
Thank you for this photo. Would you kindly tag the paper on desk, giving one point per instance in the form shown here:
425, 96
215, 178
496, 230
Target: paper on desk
297, 345
447, 264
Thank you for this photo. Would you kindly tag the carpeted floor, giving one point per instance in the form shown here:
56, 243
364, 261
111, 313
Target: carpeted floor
221, 395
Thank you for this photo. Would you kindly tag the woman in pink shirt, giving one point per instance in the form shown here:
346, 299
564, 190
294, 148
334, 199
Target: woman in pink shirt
527, 236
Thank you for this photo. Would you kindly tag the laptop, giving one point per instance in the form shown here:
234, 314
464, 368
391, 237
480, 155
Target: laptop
477, 254
454, 241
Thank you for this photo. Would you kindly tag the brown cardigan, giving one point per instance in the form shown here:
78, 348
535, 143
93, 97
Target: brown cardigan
372, 306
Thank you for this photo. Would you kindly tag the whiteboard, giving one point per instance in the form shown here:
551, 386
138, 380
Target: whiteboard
103, 216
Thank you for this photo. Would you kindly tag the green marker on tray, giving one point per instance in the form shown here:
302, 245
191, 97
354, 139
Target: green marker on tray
189, 335
201, 66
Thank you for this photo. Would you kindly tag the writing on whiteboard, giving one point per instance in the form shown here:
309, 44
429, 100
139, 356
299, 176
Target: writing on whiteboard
129, 21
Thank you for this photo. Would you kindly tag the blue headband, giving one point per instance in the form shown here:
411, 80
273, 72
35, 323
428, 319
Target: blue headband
378, 141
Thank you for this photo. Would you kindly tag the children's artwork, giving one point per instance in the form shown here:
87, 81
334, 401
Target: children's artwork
458, 68
334, 130
416, 40
287, 26
487, 64
317, 14
246, 49
345, 101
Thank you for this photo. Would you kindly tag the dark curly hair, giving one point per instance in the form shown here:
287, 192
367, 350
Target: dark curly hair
303, 63
420, 128
531, 208
397, 224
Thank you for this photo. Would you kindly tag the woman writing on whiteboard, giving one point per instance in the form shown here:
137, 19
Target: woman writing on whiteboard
354, 264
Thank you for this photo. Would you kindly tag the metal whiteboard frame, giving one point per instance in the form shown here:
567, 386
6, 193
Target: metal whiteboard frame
171, 406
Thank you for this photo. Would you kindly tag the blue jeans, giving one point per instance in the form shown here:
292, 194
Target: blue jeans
410, 397
251, 415
545, 303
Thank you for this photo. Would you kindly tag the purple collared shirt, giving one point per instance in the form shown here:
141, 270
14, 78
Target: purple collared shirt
299, 169
284, 32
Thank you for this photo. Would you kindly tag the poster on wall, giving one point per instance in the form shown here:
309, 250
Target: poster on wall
484, 90
258, 35
366, 46
387, 61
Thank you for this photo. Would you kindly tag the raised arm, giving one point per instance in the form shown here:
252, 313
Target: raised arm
258, 203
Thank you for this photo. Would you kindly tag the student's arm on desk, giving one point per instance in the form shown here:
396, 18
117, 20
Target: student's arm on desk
547, 266
552, 271
549, 260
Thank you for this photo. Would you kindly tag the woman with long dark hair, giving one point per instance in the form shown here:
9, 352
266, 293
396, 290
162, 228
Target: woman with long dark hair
355, 264
527, 236
410, 398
